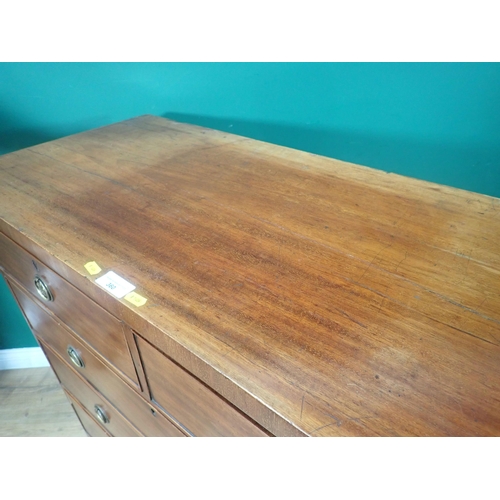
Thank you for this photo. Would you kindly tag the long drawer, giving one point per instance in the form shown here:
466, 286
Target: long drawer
92, 401
92, 428
189, 401
86, 318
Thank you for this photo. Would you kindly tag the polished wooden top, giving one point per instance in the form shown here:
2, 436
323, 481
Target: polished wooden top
320, 297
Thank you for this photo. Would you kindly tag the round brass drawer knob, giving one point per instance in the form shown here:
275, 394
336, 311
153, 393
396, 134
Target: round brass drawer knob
42, 289
75, 357
101, 415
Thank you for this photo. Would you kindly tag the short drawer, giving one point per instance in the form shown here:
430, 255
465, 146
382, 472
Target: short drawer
58, 338
87, 319
189, 401
93, 402
92, 428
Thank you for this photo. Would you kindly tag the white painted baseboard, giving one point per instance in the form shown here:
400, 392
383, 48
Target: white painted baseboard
29, 357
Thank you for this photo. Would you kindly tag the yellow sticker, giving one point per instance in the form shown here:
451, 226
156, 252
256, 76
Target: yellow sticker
92, 267
136, 299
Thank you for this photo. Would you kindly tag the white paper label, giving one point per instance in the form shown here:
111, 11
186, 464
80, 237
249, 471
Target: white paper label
115, 284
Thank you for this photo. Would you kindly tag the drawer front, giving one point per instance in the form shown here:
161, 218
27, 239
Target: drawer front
189, 401
92, 428
58, 338
93, 402
90, 321
82, 360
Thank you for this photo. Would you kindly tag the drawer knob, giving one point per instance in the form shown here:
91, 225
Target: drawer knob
42, 289
101, 415
75, 357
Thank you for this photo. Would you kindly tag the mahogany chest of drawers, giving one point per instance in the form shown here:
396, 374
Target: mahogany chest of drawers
188, 282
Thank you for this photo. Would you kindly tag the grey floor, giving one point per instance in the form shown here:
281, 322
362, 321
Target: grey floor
33, 404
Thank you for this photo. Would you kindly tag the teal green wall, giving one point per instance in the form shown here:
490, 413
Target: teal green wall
439, 122
14, 331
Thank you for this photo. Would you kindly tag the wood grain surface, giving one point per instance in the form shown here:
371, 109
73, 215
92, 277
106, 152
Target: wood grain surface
319, 297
